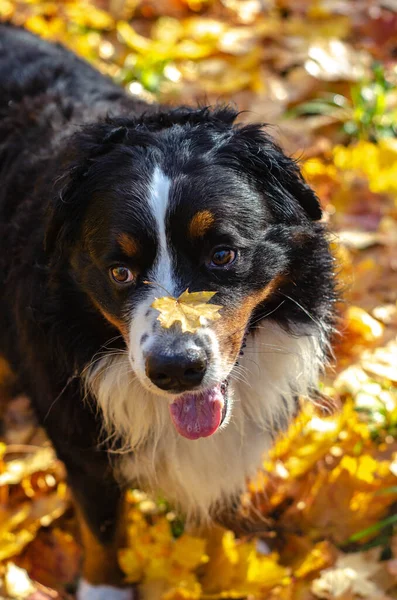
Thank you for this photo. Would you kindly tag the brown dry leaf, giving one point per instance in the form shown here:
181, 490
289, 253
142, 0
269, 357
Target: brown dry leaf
18, 527
192, 310
53, 558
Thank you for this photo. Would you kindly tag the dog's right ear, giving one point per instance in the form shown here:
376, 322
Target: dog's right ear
64, 214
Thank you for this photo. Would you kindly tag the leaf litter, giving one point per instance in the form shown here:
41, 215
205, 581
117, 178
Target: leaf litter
324, 71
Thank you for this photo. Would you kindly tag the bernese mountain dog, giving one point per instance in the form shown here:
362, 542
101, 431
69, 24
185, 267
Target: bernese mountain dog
107, 204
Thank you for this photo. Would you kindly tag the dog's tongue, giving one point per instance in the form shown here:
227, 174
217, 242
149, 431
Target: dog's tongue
198, 415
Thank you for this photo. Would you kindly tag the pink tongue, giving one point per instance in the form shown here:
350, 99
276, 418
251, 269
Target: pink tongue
198, 415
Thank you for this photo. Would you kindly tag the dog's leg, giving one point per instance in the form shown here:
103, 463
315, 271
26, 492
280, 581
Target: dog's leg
74, 429
208, 573
99, 505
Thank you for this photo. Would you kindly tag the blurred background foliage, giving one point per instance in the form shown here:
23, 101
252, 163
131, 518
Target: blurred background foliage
322, 514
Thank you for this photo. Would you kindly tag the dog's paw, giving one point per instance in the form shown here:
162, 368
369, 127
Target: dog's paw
87, 591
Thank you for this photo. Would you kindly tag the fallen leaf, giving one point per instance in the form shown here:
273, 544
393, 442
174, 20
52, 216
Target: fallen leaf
351, 574
382, 361
19, 586
362, 324
17, 582
333, 59
15, 470
192, 310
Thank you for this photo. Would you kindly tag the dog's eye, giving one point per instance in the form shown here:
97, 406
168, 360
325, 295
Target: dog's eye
121, 275
222, 257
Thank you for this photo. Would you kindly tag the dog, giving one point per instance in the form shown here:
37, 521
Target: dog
108, 203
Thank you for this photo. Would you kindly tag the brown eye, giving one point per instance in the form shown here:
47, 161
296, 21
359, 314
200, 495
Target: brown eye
121, 275
222, 257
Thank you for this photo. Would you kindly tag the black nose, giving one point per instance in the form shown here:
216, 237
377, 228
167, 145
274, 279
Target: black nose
177, 369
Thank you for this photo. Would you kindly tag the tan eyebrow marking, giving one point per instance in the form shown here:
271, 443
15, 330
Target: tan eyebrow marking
128, 244
200, 223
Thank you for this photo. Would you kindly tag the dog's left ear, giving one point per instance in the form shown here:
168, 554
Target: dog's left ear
278, 176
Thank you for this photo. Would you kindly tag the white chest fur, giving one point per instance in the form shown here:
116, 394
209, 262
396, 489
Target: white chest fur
199, 475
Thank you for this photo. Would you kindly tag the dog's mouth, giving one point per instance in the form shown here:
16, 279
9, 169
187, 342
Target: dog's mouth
197, 415
201, 414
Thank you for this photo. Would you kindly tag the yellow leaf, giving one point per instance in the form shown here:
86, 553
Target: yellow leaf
6, 9
131, 564
363, 468
362, 324
189, 551
132, 38
195, 298
181, 594
265, 571
320, 557
12, 544
190, 309
16, 470
87, 15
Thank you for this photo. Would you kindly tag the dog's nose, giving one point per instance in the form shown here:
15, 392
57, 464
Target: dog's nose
177, 370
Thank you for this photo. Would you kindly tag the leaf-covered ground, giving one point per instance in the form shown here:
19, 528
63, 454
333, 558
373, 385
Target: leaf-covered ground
324, 72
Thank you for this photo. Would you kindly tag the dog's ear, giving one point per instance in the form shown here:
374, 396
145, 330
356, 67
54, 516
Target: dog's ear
276, 175
63, 211
68, 202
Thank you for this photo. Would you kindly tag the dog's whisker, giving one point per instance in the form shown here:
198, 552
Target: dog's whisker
63, 390
303, 309
239, 379
241, 373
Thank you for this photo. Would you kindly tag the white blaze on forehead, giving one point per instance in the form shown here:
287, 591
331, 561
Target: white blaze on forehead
143, 319
161, 272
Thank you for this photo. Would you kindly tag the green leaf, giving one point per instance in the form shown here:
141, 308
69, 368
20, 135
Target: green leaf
389, 490
373, 529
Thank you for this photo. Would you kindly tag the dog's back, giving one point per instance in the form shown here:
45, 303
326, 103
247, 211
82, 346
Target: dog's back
44, 91
29, 67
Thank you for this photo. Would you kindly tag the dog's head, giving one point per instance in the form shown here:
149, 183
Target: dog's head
189, 200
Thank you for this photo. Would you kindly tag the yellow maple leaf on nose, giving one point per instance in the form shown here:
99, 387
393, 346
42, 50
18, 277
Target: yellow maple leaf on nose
191, 309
